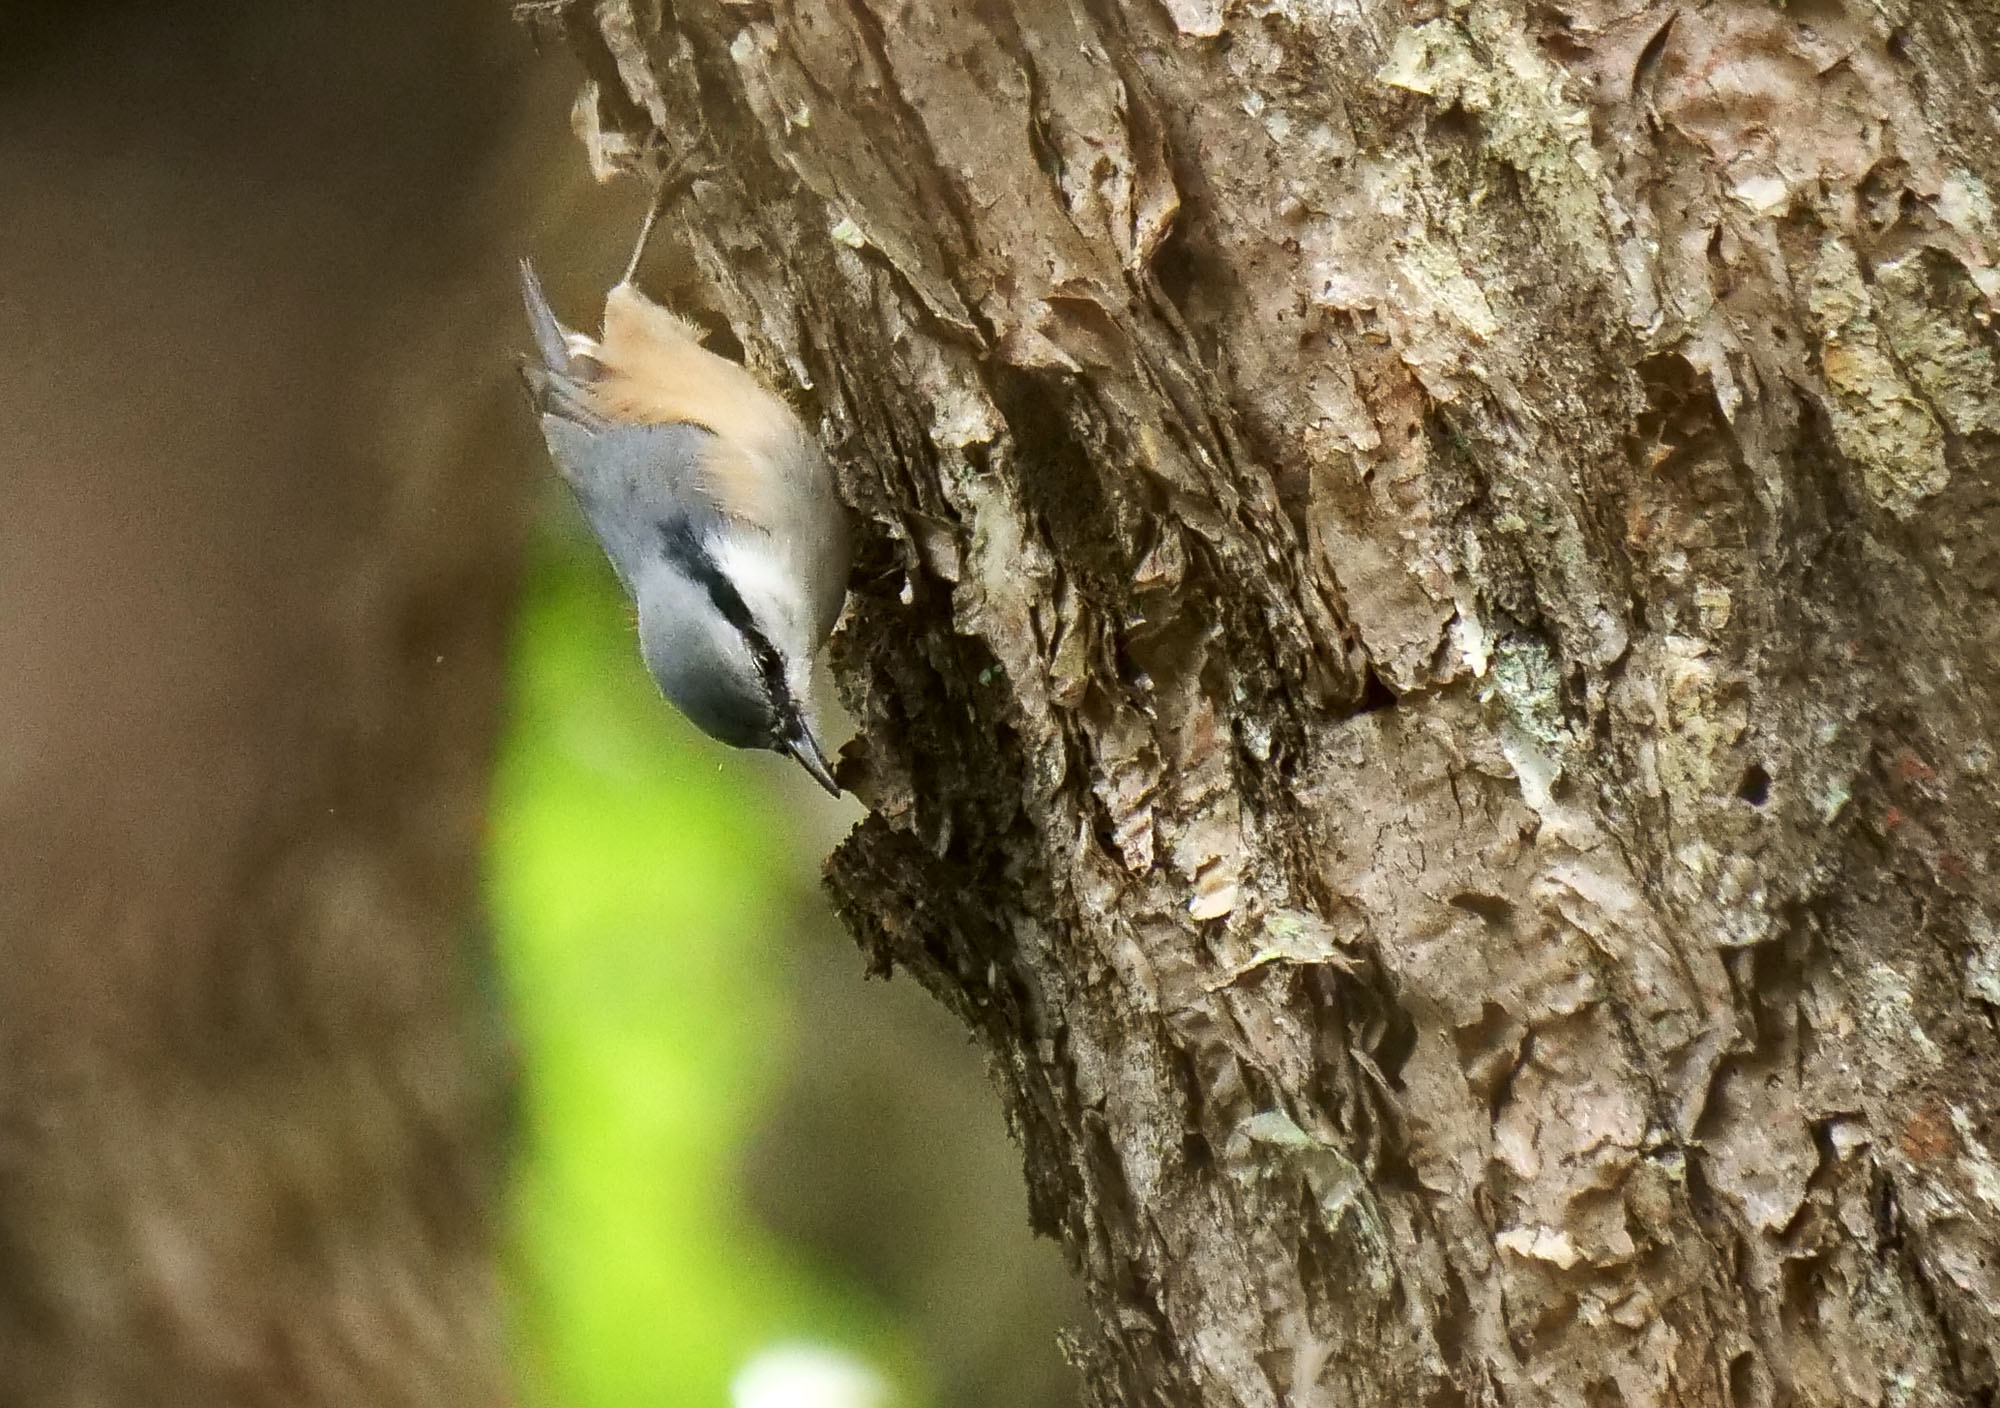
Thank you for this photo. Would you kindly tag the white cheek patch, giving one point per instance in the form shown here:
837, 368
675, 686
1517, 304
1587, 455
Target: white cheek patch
765, 582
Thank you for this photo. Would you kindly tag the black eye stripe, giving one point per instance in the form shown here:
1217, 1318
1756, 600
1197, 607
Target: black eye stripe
684, 549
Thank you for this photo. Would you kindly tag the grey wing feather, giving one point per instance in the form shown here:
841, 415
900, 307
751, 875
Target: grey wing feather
633, 483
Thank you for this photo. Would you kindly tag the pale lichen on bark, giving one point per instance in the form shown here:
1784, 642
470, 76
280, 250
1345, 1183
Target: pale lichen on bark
1425, 653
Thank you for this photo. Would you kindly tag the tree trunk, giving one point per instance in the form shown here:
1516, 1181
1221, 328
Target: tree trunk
257, 541
1425, 652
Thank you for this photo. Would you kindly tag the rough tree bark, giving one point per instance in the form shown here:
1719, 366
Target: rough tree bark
1426, 656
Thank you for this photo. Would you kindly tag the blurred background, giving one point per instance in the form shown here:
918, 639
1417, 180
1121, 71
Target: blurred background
398, 1003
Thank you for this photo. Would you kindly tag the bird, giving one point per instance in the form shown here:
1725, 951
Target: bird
714, 503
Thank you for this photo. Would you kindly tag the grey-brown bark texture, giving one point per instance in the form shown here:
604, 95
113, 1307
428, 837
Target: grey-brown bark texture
1426, 653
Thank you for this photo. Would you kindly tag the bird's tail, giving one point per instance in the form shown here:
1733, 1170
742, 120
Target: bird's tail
558, 383
551, 338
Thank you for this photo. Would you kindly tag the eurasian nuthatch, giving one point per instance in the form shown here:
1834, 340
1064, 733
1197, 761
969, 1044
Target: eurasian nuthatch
714, 504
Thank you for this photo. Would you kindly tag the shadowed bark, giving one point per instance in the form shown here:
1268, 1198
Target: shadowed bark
1425, 650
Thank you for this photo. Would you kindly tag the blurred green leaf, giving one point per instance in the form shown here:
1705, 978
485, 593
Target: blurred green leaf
641, 893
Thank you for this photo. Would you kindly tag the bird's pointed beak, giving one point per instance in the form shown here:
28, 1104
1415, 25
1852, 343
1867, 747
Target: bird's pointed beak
801, 744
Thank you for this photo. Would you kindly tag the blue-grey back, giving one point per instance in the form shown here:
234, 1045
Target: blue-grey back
633, 483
